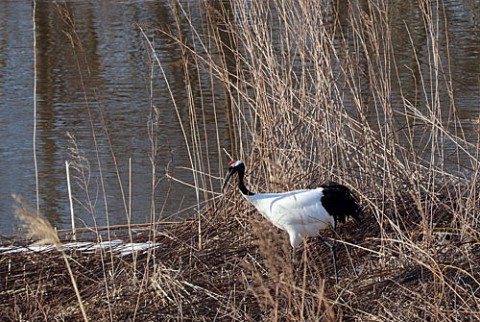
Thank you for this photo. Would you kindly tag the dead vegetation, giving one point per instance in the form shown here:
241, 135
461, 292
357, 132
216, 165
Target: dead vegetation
243, 272
308, 101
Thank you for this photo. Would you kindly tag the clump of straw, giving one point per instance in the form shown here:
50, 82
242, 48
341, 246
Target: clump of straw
34, 225
37, 227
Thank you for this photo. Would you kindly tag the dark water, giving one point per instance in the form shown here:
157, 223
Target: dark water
98, 78
97, 81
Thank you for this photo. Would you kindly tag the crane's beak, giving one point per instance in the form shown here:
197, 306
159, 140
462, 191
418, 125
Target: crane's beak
231, 171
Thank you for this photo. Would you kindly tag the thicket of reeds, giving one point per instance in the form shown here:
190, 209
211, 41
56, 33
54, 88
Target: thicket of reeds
308, 94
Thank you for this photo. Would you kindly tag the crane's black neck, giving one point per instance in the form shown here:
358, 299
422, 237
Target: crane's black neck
241, 183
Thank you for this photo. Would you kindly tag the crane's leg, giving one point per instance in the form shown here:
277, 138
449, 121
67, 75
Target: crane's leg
334, 260
295, 241
305, 252
333, 249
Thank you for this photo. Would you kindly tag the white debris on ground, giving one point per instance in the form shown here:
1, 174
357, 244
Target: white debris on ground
117, 246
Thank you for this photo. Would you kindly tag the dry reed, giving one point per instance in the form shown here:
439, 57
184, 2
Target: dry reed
38, 228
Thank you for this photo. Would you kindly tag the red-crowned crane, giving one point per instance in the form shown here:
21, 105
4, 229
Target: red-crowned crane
301, 213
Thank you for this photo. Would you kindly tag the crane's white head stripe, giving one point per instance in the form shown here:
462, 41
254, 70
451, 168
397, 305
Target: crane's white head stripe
235, 163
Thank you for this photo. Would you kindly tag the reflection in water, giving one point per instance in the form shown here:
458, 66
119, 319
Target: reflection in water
98, 80
411, 57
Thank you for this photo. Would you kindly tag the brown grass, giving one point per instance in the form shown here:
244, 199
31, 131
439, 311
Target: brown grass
243, 272
308, 90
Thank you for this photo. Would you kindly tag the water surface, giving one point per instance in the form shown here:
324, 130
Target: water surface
98, 84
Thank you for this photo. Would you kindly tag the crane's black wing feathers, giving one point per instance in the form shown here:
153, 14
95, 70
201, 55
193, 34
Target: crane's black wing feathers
340, 202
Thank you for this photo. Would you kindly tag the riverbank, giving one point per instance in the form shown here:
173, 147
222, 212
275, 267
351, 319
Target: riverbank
238, 267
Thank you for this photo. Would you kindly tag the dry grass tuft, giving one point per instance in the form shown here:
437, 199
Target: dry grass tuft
36, 227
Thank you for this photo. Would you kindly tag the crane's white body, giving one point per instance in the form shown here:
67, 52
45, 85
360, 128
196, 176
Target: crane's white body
301, 213
298, 212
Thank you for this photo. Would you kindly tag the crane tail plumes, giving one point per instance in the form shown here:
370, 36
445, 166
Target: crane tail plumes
340, 202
